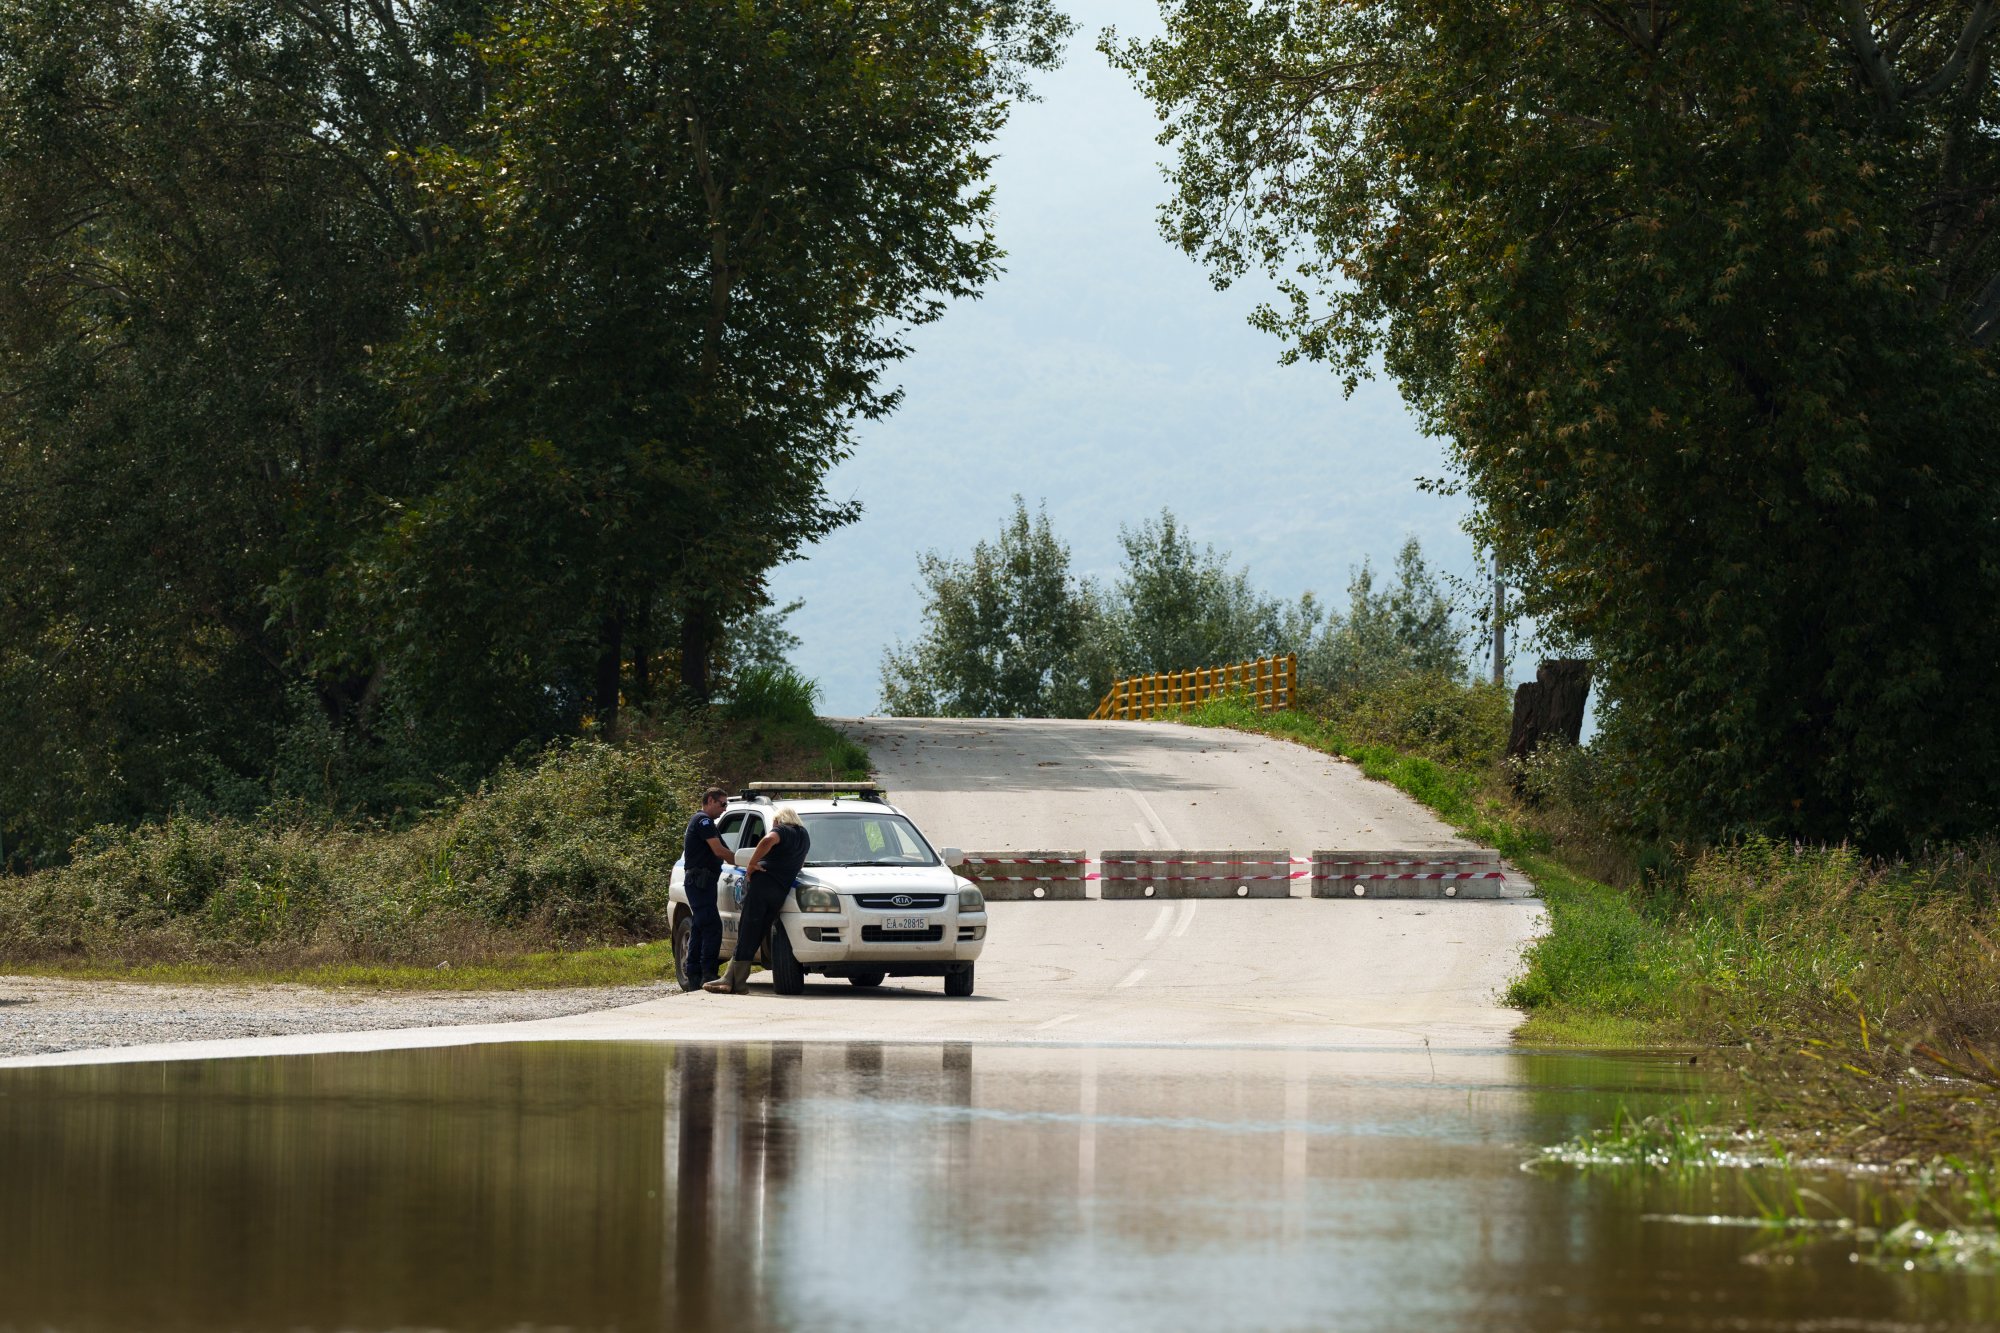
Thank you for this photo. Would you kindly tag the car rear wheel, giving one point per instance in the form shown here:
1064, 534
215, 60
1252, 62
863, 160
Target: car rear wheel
959, 983
788, 977
867, 980
683, 951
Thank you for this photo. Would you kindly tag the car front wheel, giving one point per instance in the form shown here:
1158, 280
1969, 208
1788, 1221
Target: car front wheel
959, 983
788, 977
867, 980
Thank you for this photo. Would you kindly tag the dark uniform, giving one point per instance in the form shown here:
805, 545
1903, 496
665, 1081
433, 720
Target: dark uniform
765, 894
703, 869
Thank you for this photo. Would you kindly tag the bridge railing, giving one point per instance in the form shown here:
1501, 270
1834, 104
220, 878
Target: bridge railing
1270, 683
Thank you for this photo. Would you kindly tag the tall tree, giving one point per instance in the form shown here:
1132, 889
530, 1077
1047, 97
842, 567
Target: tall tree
1402, 628
1699, 291
199, 243
1179, 605
1009, 632
688, 239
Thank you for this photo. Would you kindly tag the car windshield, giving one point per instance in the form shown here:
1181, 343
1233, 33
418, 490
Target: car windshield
863, 839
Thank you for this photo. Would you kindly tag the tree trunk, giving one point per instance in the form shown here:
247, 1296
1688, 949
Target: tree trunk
1552, 704
697, 646
642, 650
610, 658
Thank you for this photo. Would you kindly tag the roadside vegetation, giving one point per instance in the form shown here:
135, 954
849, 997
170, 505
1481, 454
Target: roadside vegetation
1857, 999
553, 871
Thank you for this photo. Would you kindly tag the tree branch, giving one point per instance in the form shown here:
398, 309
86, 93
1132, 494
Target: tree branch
1874, 65
1977, 25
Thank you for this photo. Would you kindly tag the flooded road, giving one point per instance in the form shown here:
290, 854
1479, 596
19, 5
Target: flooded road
825, 1186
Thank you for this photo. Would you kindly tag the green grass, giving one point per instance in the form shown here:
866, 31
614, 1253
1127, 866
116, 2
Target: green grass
1452, 792
1685, 1137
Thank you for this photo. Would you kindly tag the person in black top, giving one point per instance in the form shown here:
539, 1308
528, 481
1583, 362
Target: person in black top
704, 854
774, 864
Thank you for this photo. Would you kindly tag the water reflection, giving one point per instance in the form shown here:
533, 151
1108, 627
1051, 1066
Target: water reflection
825, 1186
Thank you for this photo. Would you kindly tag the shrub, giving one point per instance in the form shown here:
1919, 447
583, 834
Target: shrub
573, 848
227, 883
774, 692
1424, 713
582, 843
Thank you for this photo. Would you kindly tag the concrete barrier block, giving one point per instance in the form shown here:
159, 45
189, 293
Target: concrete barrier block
1032, 876
1456, 873
1195, 873
1132, 874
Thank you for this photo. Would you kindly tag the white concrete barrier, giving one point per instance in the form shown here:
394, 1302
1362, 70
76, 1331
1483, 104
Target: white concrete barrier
1017, 876
1476, 873
1193, 873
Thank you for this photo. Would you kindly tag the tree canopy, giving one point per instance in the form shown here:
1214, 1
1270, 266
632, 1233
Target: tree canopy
1699, 291
427, 375
1008, 632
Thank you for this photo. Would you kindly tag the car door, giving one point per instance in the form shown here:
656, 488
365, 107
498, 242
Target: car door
740, 829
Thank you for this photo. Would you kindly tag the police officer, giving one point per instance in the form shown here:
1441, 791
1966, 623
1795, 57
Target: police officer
774, 864
704, 856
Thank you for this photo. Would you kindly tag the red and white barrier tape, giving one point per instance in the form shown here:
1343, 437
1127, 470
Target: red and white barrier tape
1432, 862
1027, 861
1156, 861
1488, 874
1307, 873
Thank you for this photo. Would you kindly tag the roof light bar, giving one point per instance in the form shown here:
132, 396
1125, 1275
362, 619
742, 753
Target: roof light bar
860, 791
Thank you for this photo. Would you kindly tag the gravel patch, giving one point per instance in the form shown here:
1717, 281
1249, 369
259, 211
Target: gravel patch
40, 1014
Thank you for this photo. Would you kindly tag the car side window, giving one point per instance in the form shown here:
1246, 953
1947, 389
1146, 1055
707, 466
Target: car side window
753, 832
728, 829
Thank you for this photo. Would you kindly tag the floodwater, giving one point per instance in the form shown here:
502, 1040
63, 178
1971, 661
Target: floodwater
831, 1187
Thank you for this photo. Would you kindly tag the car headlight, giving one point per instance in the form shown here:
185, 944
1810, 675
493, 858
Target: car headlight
971, 900
817, 900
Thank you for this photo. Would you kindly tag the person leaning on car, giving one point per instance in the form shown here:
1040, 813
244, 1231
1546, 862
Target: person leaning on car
704, 854
774, 864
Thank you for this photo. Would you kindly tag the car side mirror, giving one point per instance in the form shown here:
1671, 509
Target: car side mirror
743, 855
953, 857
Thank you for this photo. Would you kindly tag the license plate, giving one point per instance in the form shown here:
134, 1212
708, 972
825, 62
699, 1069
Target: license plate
906, 923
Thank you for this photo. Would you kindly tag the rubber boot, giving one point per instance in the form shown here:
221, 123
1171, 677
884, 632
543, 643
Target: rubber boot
735, 983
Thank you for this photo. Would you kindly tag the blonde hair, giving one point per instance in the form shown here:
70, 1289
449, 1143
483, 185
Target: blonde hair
785, 815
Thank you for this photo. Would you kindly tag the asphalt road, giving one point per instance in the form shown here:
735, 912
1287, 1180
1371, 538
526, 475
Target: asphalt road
991, 785
1295, 973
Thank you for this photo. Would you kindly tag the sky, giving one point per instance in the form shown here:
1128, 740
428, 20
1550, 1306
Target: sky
1102, 375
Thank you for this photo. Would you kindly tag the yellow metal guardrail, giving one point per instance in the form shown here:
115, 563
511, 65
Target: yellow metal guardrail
1270, 682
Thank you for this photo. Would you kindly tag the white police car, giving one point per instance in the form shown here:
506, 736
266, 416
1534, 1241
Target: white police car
873, 901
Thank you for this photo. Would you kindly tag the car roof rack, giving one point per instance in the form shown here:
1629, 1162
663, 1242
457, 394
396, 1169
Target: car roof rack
860, 791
